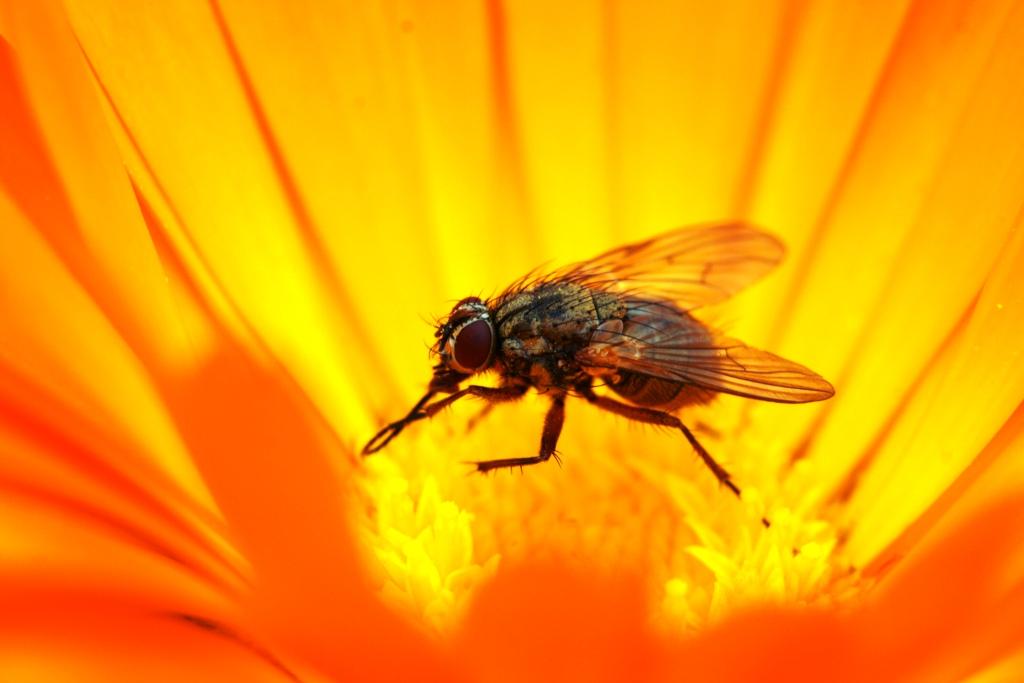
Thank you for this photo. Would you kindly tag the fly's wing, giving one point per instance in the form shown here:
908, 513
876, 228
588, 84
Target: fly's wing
658, 340
691, 266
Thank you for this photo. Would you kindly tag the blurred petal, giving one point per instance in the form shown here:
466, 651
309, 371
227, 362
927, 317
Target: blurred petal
545, 623
218, 216
690, 88
971, 392
65, 175
206, 159
397, 143
83, 420
99, 376
929, 302
926, 183
268, 464
946, 615
67, 636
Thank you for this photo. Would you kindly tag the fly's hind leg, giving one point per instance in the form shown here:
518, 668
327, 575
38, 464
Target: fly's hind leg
657, 417
549, 439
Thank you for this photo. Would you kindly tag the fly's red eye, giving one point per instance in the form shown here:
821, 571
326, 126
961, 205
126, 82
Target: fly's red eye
473, 345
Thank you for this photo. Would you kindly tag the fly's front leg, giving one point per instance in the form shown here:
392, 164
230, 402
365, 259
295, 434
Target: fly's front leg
503, 394
553, 422
657, 417
421, 411
384, 436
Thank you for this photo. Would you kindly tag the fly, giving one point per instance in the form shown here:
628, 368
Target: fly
622, 320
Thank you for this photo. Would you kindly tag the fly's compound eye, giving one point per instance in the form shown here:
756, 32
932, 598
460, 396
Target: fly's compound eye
471, 346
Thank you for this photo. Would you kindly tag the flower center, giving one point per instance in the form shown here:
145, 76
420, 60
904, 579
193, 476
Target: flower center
625, 500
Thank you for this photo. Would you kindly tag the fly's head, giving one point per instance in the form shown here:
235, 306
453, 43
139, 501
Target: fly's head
465, 344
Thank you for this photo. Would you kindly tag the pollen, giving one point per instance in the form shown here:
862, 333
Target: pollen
420, 547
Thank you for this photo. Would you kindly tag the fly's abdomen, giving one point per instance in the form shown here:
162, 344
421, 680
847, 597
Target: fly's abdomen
646, 326
646, 391
654, 392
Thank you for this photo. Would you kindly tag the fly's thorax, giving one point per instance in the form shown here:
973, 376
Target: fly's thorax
609, 305
555, 311
543, 328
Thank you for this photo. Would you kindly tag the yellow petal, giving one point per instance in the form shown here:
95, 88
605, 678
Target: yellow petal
973, 389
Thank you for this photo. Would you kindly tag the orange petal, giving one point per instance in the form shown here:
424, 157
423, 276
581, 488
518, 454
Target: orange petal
274, 473
956, 608
65, 174
544, 623
54, 635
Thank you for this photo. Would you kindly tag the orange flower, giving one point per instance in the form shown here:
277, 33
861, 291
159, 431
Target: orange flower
220, 223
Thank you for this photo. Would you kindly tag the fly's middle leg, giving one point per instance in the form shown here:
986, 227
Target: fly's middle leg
553, 422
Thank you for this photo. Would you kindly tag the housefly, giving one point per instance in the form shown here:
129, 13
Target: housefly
622, 322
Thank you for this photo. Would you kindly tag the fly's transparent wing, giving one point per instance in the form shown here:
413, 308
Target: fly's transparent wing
692, 266
658, 340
